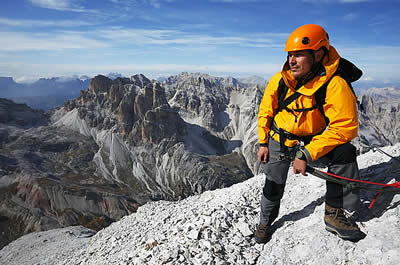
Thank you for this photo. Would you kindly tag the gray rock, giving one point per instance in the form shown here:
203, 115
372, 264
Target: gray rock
58, 244
379, 122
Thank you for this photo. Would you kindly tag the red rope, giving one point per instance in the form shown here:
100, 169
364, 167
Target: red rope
376, 197
396, 185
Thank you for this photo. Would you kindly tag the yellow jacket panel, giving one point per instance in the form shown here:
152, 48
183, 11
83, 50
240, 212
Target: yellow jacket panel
340, 108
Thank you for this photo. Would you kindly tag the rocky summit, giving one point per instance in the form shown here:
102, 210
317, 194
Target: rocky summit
216, 227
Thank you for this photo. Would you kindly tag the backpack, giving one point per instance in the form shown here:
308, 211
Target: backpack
347, 70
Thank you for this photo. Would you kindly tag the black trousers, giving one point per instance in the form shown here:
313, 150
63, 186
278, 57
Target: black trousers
340, 161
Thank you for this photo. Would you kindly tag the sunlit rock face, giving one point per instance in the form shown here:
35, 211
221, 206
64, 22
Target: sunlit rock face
379, 120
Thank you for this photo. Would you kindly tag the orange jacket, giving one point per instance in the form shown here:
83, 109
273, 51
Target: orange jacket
340, 108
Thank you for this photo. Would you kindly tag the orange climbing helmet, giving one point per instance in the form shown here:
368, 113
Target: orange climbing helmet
307, 37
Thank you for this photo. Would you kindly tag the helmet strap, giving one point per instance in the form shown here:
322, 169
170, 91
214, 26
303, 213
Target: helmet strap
315, 70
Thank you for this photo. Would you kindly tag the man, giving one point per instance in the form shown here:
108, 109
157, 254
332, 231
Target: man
313, 70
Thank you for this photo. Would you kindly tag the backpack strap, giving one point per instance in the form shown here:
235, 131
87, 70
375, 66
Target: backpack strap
282, 91
283, 103
320, 96
346, 70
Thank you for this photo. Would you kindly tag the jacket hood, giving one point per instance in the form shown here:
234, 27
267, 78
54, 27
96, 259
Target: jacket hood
331, 63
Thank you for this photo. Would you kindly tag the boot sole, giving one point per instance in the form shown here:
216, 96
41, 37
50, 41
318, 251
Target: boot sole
360, 235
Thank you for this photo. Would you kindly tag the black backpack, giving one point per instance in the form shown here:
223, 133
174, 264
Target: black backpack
347, 70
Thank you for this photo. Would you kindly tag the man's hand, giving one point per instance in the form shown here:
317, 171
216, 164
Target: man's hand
299, 166
263, 154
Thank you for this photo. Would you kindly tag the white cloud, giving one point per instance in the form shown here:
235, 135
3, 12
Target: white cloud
350, 16
170, 37
61, 5
118, 37
129, 4
14, 41
367, 78
43, 23
155, 3
121, 38
32, 71
382, 55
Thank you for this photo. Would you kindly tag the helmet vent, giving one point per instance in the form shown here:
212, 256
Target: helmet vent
305, 40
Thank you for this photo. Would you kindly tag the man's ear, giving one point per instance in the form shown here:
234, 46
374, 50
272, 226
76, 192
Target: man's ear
319, 54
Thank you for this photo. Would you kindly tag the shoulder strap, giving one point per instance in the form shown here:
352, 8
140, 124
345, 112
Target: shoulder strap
349, 72
320, 96
282, 91
283, 103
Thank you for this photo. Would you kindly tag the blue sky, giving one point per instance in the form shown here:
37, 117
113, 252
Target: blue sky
45, 38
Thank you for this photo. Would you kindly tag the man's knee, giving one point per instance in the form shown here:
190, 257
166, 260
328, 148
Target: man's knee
273, 191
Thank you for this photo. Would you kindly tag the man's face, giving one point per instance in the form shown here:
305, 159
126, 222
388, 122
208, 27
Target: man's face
300, 62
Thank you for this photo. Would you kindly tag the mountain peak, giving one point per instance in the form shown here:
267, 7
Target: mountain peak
100, 84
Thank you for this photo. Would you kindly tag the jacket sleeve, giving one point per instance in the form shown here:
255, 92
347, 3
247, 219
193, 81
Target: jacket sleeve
268, 106
341, 110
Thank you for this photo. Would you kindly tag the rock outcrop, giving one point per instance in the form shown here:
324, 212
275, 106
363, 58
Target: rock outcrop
379, 122
225, 107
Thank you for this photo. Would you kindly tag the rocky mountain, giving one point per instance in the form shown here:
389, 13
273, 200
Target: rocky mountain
118, 145
379, 122
385, 94
223, 108
134, 124
217, 227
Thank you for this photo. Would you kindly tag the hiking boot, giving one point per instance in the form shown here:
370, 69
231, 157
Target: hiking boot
338, 223
262, 234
